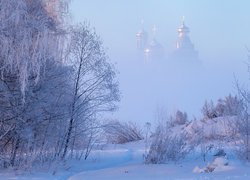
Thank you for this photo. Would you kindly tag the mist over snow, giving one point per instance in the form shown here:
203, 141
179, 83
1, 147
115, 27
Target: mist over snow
110, 89
220, 39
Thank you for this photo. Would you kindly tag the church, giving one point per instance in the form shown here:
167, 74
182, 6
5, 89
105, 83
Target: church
184, 49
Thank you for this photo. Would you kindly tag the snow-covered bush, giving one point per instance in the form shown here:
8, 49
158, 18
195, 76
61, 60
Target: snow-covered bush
122, 132
179, 118
243, 129
229, 106
167, 146
208, 110
242, 125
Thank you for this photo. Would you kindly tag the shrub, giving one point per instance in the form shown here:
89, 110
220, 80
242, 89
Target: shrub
180, 118
229, 106
122, 132
167, 147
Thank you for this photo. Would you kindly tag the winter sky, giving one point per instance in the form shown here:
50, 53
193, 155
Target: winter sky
219, 31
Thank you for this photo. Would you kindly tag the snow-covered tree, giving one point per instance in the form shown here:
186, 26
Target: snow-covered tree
53, 88
95, 87
32, 79
30, 37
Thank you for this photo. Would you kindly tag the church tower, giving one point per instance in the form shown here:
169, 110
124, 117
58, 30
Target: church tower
184, 47
154, 49
141, 38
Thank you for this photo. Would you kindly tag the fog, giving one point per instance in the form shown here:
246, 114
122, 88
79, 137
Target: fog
218, 30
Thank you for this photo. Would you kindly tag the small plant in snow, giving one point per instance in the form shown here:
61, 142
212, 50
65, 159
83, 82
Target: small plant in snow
147, 127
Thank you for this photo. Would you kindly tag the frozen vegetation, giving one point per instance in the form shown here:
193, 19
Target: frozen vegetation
213, 147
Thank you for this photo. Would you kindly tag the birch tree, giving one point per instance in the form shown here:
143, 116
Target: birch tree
95, 87
30, 75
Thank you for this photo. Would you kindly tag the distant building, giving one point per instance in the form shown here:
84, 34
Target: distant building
153, 49
141, 39
184, 49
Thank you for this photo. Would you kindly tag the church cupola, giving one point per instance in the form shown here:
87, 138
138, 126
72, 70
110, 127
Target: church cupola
141, 38
183, 30
184, 41
184, 47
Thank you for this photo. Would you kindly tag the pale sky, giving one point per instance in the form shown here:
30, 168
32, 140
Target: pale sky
219, 30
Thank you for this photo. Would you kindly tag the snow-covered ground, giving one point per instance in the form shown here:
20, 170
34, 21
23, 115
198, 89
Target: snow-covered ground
113, 162
130, 166
126, 161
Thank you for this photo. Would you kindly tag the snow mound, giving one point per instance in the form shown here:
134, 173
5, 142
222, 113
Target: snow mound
219, 164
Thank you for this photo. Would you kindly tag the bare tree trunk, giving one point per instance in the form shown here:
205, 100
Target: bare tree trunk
247, 139
13, 158
70, 128
73, 143
68, 136
89, 146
